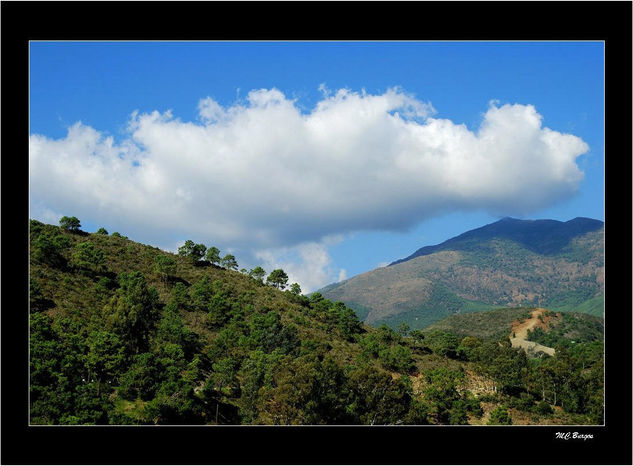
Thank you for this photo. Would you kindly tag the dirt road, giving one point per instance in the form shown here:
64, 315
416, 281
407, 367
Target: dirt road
520, 332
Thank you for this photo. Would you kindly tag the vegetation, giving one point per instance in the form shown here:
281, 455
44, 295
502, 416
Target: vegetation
125, 333
571, 329
213, 255
493, 324
277, 278
193, 251
70, 224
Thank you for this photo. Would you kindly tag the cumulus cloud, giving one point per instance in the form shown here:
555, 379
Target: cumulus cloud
260, 174
308, 264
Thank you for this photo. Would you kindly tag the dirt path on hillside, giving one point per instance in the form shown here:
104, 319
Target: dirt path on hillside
520, 332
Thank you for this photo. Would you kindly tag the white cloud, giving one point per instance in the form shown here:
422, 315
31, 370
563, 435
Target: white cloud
262, 175
308, 264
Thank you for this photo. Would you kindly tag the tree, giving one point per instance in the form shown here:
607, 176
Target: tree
417, 335
105, 356
229, 262
213, 255
88, 257
102, 231
258, 274
442, 343
48, 248
295, 289
193, 251
376, 397
397, 358
141, 378
277, 278
164, 266
133, 312
403, 329
348, 323
441, 393
70, 223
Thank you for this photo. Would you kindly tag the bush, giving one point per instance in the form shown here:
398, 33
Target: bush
543, 408
397, 358
500, 416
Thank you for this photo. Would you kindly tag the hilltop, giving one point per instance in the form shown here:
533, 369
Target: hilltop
509, 263
124, 333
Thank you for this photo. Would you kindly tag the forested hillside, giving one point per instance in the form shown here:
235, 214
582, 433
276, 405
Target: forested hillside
124, 333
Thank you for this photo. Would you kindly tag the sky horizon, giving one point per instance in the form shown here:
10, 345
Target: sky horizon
325, 159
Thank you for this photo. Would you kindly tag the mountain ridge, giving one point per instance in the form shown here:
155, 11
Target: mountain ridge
578, 226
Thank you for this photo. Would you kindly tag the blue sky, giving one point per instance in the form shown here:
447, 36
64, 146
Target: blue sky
235, 105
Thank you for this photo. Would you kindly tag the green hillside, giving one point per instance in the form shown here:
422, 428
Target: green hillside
572, 326
492, 324
124, 333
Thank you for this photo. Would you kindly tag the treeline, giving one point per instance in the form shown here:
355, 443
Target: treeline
195, 252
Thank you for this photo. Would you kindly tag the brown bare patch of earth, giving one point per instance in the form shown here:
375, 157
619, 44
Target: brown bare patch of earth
518, 337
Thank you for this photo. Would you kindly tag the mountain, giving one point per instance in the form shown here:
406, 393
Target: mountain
511, 262
547, 237
123, 333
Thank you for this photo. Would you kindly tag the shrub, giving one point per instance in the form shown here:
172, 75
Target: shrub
500, 416
543, 408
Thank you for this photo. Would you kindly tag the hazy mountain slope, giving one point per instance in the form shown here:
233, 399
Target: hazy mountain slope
544, 263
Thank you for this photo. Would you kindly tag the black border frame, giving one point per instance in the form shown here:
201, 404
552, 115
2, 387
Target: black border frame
604, 21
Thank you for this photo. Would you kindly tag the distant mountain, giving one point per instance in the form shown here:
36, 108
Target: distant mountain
546, 237
511, 262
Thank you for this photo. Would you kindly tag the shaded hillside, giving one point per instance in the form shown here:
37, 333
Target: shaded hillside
495, 266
